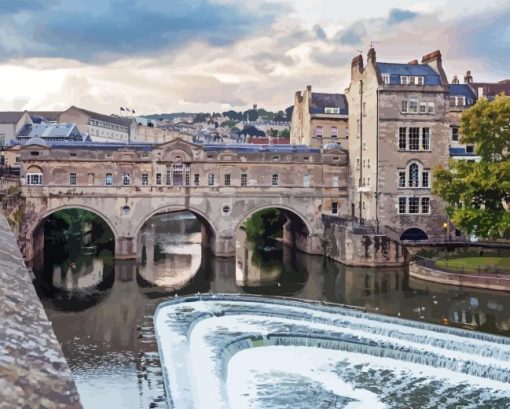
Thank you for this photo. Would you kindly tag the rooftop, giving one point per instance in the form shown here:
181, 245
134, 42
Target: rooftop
395, 70
10, 117
321, 100
118, 120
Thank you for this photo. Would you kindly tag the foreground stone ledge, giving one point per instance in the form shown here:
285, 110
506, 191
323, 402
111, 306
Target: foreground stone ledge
33, 370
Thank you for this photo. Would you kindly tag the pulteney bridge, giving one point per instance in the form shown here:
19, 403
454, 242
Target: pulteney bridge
127, 184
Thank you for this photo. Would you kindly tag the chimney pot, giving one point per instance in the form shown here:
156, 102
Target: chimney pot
455, 80
413, 62
468, 78
371, 56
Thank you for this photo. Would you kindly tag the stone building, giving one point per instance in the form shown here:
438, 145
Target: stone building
319, 118
100, 127
10, 124
398, 135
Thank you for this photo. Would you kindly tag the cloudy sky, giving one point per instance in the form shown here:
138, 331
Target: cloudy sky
213, 55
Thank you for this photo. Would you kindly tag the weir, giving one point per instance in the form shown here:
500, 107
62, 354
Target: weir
215, 348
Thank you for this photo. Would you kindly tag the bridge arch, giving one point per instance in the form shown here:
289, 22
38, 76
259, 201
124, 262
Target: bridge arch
286, 208
414, 234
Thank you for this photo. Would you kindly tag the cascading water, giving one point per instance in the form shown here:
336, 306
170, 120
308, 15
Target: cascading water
228, 351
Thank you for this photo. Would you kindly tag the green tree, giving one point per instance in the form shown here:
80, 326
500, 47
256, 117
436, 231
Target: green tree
478, 193
264, 224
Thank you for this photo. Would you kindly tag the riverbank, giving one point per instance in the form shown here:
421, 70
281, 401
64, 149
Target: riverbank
33, 370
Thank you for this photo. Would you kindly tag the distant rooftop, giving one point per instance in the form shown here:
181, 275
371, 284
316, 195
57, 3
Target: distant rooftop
321, 101
10, 117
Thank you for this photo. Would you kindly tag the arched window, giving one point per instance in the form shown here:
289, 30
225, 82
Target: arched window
414, 175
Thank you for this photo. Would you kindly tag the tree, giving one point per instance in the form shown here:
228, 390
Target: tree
264, 224
477, 193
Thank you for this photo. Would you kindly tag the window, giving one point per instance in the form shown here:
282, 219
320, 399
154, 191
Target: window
414, 139
306, 180
368, 163
210, 156
72, 178
402, 136
196, 179
364, 109
210, 179
306, 158
331, 110
425, 179
34, 178
276, 157
364, 162
401, 179
425, 139
108, 179
358, 128
357, 163
334, 208
227, 179
34, 153
469, 149
244, 179
145, 179
413, 105
125, 209
414, 205
18, 159
73, 155
403, 107
126, 179
318, 131
158, 178
404, 80
335, 181
91, 179
386, 78
334, 132
402, 201
413, 175
274, 179
336, 157
423, 107
425, 205
145, 155
225, 209
431, 108
455, 133
418, 80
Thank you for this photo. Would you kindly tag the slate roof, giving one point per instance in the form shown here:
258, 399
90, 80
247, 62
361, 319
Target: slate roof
50, 130
10, 117
322, 100
431, 77
492, 89
462, 90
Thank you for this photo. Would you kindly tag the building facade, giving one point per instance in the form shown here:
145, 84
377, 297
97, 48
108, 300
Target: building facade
399, 133
10, 125
319, 118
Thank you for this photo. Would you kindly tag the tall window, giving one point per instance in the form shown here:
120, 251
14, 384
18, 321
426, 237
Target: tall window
431, 108
413, 105
402, 136
425, 139
72, 178
414, 139
227, 179
318, 131
425, 205
126, 179
386, 78
455, 133
158, 178
357, 163
404, 80
334, 208
423, 107
274, 179
108, 179
404, 106
210, 179
34, 178
196, 180
244, 179
177, 174
401, 179
145, 179
414, 205
402, 201
425, 179
306, 180
334, 132
413, 175
335, 181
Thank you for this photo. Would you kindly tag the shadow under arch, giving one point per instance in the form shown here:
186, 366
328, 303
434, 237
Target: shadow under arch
414, 234
292, 214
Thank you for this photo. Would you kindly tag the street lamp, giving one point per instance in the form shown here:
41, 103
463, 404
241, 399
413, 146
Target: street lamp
445, 228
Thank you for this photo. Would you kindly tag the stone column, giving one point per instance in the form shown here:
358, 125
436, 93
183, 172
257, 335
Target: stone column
223, 245
125, 248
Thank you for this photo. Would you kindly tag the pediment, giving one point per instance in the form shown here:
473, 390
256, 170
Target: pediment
178, 148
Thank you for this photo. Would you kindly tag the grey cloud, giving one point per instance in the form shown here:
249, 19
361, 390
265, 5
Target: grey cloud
320, 33
397, 16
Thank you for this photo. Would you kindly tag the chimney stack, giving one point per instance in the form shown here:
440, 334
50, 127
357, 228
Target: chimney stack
468, 78
357, 63
433, 56
371, 56
455, 80
435, 61
413, 62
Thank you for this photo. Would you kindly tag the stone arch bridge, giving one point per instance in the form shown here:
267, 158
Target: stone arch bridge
221, 184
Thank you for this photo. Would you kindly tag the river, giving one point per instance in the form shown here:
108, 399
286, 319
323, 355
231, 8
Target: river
102, 310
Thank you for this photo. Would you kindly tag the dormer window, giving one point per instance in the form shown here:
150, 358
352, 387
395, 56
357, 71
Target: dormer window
418, 80
331, 110
404, 80
386, 78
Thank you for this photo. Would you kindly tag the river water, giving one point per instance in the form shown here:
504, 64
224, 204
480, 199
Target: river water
102, 310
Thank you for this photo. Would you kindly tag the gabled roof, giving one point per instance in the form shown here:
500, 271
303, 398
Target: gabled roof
10, 117
395, 70
117, 120
321, 100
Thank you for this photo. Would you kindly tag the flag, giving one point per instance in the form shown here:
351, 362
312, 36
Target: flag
127, 109
133, 111
122, 109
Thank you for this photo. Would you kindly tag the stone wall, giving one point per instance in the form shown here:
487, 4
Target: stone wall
33, 370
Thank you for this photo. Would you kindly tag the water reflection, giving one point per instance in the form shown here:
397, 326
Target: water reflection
102, 312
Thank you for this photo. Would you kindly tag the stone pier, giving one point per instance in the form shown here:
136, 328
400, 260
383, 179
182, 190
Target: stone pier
33, 370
